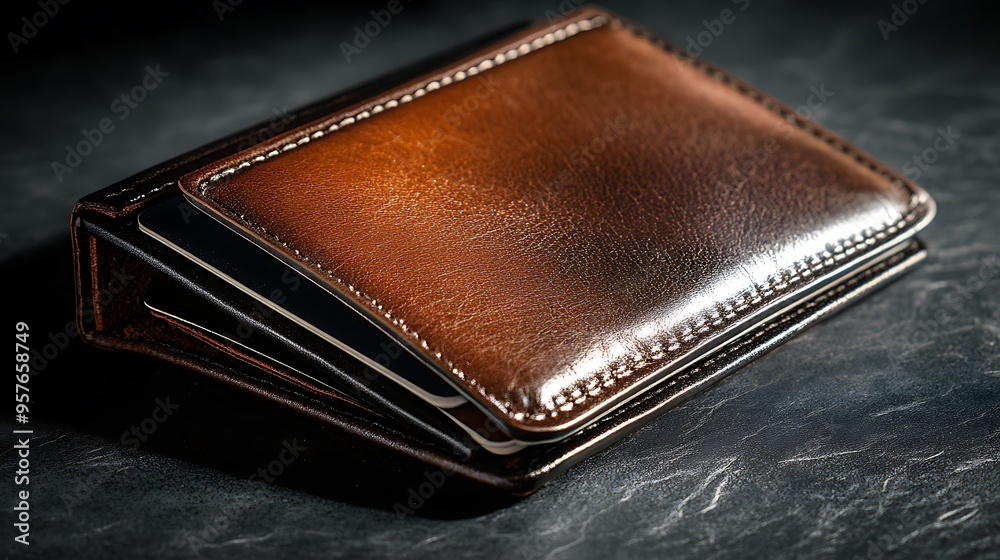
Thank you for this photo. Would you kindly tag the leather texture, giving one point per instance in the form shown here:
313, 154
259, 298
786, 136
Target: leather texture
562, 220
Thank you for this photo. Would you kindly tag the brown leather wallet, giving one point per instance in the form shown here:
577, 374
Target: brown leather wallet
569, 231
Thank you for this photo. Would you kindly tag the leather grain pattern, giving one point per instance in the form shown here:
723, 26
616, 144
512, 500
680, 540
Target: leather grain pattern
564, 218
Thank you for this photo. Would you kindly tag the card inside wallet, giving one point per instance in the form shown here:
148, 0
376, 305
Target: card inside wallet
278, 288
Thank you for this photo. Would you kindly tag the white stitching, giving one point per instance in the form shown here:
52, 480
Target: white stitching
725, 354
755, 294
525, 48
152, 191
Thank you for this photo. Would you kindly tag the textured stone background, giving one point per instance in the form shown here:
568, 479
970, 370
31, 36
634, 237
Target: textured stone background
874, 434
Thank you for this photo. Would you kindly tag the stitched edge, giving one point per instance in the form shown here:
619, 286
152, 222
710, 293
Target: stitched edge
776, 283
820, 301
527, 47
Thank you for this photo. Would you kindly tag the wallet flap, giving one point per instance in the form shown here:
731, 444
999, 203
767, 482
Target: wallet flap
561, 220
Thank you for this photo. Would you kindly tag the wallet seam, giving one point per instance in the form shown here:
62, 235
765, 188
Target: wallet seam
751, 338
776, 283
525, 48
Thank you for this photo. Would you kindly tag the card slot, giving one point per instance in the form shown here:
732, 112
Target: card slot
277, 288
171, 305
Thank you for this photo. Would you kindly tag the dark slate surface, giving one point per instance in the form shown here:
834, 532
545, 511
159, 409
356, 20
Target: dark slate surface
874, 434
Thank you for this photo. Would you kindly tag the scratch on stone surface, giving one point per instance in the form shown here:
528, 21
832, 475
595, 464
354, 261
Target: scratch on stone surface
428, 540
53, 440
934, 456
671, 454
897, 409
943, 521
43, 444
718, 492
759, 430
718, 404
817, 411
579, 539
94, 461
970, 420
948, 514
974, 464
632, 491
701, 420
557, 550
244, 540
820, 457
678, 512
106, 527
